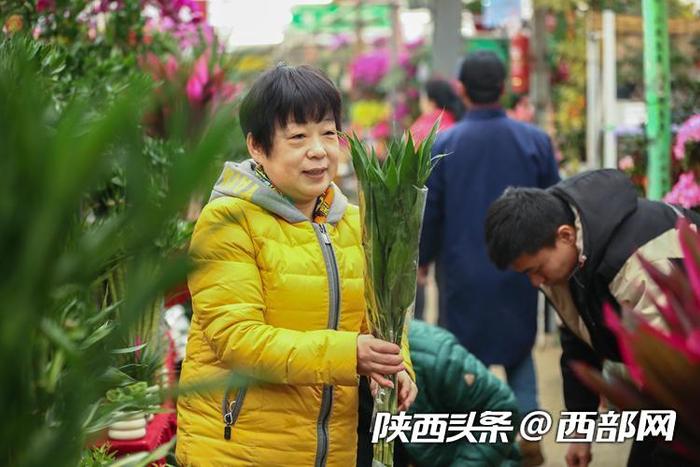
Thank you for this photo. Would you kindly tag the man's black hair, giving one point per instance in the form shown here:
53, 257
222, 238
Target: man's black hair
300, 93
483, 75
523, 221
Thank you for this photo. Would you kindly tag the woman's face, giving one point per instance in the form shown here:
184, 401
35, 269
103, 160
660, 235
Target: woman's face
425, 104
303, 160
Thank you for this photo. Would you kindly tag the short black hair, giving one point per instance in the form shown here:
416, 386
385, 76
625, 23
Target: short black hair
483, 75
523, 221
301, 93
441, 92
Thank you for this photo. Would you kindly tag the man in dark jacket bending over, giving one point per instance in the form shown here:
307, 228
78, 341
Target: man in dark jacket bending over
577, 241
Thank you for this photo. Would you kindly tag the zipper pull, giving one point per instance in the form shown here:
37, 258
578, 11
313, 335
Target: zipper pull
324, 233
228, 420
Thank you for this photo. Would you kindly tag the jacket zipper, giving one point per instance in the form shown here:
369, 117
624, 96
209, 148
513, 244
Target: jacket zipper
232, 410
333, 319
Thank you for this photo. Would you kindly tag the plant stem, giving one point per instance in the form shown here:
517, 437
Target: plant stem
385, 401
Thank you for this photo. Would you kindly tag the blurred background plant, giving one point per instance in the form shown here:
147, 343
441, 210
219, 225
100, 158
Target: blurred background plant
385, 98
566, 25
93, 217
664, 365
686, 155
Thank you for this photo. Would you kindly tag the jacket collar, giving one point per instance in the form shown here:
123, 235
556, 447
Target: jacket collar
238, 180
601, 201
484, 113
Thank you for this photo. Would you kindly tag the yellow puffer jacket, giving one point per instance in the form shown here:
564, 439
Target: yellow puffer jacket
278, 300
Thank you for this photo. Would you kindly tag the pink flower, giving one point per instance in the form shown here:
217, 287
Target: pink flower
381, 130
685, 192
198, 80
401, 111
626, 163
339, 41
689, 131
368, 69
170, 67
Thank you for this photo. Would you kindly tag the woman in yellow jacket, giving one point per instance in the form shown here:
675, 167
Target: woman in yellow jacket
278, 294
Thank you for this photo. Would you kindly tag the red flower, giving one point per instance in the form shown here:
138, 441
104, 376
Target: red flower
45, 5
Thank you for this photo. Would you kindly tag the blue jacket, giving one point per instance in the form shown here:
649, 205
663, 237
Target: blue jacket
492, 313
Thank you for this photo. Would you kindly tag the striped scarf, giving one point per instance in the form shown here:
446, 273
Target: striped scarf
323, 203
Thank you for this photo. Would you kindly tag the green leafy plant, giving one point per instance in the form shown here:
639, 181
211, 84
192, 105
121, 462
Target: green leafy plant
392, 199
97, 457
58, 337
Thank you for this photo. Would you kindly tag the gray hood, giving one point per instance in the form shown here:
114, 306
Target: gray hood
238, 180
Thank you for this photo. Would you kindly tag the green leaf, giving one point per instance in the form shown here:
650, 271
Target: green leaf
132, 349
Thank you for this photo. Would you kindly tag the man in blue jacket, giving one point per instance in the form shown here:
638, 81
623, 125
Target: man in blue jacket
492, 313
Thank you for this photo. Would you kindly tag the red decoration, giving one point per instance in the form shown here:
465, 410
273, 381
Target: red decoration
520, 63
159, 431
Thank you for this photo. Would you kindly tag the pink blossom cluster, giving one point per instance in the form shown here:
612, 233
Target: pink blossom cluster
626, 163
368, 69
209, 83
689, 131
184, 20
686, 192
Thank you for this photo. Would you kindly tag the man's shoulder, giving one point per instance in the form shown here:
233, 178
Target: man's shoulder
525, 127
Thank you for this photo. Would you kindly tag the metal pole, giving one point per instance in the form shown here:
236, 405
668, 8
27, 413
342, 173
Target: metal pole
539, 76
394, 49
657, 84
359, 43
448, 45
592, 99
609, 90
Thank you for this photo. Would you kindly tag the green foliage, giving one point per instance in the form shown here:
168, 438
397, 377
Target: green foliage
392, 199
104, 63
58, 334
97, 457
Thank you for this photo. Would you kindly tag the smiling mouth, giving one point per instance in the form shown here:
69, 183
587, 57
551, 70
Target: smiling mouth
315, 172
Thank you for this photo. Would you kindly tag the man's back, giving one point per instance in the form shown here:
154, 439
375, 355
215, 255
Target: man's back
487, 152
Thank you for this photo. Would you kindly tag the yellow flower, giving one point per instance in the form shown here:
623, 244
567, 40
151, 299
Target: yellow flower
368, 113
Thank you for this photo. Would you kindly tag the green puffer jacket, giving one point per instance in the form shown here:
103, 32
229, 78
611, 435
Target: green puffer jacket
451, 380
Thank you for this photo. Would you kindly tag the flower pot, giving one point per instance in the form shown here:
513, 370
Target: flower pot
125, 435
130, 426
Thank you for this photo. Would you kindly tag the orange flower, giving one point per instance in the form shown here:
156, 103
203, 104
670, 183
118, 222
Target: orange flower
14, 24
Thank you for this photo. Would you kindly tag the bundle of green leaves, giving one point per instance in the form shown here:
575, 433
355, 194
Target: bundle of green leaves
392, 200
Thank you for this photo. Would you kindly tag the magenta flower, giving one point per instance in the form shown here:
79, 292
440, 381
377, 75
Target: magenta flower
45, 5
369, 68
664, 363
198, 80
685, 192
381, 130
689, 131
401, 111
